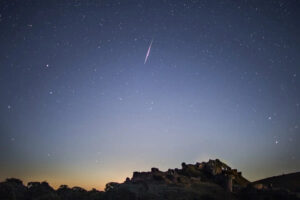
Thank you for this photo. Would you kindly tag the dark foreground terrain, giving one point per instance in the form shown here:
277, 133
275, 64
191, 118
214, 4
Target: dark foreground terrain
206, 180
290, 182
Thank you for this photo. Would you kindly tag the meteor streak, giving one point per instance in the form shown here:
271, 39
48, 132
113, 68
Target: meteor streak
148, 52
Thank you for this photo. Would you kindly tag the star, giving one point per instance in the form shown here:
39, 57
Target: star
276, 142
9, 107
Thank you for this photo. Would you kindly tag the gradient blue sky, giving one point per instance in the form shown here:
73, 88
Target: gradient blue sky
78, 105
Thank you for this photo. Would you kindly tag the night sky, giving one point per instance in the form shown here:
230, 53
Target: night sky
80, 107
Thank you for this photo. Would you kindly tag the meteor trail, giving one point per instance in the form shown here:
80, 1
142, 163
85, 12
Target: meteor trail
148, 52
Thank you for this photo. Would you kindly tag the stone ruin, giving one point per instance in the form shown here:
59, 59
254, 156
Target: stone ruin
212, 171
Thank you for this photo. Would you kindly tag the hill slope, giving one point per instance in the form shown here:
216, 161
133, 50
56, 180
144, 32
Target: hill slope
288, 181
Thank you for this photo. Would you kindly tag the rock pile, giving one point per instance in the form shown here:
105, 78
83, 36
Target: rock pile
213, 171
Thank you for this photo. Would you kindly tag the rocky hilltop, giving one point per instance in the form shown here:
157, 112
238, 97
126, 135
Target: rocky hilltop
212, 179
213, 171
206, 180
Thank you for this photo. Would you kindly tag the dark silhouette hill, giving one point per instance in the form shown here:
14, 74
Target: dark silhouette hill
287, 181
207, 180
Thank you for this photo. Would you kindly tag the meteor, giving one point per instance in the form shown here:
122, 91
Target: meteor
148, 52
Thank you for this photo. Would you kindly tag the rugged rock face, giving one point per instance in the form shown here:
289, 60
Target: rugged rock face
213, 171
206, 180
